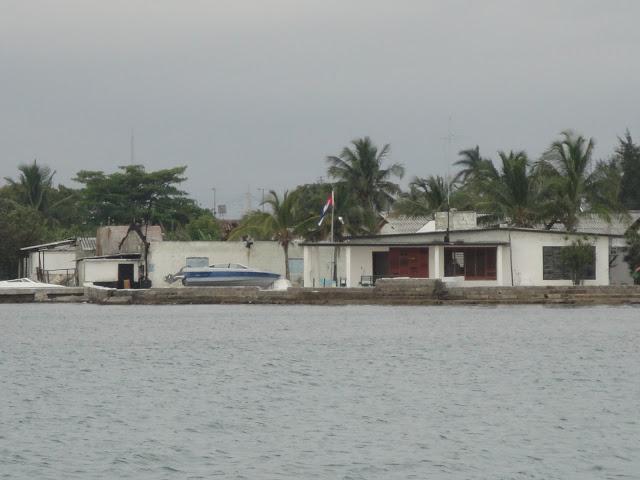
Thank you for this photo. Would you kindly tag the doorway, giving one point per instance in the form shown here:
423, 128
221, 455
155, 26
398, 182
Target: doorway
125, 275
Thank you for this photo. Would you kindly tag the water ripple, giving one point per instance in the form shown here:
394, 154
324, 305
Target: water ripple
319, 392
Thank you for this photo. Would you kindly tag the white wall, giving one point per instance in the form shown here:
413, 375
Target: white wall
53, 260
527, 257
168, 257
103, 270
318, 265
359, 262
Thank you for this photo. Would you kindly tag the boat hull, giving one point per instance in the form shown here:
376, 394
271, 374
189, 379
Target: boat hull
230, 279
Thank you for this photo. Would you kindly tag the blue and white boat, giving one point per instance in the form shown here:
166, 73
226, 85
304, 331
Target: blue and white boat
223, 275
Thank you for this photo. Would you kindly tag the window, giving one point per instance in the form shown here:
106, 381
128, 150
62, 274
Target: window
197, 262
475, 263
554, 269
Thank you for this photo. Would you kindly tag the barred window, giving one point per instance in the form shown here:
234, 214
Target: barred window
553, 267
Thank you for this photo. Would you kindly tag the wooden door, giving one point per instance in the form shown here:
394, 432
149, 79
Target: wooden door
409, 262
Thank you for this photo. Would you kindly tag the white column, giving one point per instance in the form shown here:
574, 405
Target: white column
306, 256
438, 261
347, 259
500, 264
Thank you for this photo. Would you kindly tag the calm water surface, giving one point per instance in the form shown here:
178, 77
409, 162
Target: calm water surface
319, 392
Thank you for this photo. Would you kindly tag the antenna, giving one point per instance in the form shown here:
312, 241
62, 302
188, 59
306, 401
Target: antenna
447, 144
247, 204
132, 159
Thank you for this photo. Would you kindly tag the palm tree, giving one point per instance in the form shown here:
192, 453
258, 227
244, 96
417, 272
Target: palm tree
33, 185
425, 197
360, 169
283, 223
565, 169
513, 194
473, 166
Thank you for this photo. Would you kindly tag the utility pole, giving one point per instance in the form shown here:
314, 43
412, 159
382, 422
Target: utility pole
261, 189
214, 201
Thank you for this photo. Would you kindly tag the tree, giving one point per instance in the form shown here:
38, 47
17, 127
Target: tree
565, 168
473, 166
283, 223
134, 195
512, 194
605, 187
20, 226
632, 255
204, 227
360, 169
576, 258
33, 185
425, 197
628, 155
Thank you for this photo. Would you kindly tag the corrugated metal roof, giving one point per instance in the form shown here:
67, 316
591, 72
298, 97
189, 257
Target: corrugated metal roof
50, 246
403, 224
594, 224
87, 244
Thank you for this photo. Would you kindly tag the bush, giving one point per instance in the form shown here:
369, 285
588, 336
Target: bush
576, 258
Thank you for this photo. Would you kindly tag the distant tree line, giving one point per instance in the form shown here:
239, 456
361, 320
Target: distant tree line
557, 188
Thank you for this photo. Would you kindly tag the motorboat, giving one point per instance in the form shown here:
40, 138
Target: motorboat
223, 275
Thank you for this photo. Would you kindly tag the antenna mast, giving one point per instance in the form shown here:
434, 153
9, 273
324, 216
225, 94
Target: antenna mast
132, 158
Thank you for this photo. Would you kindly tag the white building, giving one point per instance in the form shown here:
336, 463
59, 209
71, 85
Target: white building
472, 255
114, 271
55, 262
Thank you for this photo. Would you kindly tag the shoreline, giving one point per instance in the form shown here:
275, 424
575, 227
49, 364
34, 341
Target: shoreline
409, 292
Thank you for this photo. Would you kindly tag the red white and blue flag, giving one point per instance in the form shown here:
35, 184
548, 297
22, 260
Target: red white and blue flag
326, 208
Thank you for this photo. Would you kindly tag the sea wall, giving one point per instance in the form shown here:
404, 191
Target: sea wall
392, 292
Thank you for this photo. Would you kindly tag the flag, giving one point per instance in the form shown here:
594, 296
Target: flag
326, 208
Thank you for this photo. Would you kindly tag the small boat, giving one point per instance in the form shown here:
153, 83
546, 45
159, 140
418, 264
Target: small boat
223, 275
26, 283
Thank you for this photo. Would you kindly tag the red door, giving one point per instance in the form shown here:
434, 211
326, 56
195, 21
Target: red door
409, 262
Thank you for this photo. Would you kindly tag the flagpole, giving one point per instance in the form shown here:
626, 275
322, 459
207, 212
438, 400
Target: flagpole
333, 207
335, 269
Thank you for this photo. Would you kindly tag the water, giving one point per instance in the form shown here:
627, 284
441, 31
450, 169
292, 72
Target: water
319, 392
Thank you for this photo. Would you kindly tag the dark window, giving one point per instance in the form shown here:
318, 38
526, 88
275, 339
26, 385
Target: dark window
554, 269
475, 263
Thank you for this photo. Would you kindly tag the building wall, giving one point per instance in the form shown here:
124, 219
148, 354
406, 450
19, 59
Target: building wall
525, 253
53, 260
318, 266
168, 257
108, 239
527, 257
103, 270
359, 263
619, 270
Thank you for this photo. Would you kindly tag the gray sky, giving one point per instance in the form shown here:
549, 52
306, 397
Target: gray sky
258, 92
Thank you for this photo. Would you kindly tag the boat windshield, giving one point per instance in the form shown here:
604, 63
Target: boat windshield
229, 265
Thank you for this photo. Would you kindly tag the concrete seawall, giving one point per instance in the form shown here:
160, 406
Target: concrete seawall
386, 292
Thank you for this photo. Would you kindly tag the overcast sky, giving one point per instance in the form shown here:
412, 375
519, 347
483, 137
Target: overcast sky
255, 94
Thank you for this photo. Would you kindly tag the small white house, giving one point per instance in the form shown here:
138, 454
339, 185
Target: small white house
470, 257
55, 262
114, 271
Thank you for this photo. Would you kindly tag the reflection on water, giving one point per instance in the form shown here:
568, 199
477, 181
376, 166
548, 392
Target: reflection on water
319, 392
